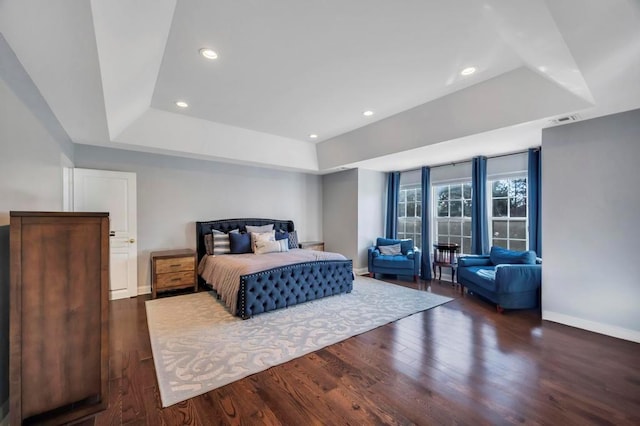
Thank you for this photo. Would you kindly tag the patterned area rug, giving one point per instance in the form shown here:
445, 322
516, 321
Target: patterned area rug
198, 346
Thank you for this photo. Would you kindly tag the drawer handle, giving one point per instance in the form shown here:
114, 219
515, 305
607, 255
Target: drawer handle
175, 279
175, 266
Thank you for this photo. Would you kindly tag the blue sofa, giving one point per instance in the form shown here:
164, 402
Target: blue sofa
510, 279
407, 262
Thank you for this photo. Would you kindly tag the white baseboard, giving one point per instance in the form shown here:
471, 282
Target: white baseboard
596, 327
145, 289
361, 271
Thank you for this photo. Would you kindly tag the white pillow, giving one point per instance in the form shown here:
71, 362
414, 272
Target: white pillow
221, 242
391, 250
259, 229
263, 247
264, 236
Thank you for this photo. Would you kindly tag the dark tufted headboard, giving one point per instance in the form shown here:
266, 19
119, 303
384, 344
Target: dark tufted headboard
226, 225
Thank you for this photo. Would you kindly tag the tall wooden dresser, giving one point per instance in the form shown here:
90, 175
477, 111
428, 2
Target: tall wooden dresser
59, 300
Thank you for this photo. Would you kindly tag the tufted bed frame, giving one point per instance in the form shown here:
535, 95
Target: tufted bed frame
282, 286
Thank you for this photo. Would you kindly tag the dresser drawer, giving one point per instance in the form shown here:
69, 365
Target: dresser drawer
175, 264
173, 279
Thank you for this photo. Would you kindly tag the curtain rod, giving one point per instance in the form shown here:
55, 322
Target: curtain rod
468, 160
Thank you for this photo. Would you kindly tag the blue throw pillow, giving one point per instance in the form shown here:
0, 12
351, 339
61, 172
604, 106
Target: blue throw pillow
239, 243
281, 235
501, 256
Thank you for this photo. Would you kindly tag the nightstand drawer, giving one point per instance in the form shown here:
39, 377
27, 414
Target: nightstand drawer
174, 265
172, 279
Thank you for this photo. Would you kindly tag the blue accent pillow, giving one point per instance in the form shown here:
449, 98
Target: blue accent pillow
501, 256
280, 235
405, 245
239, 243
293, 239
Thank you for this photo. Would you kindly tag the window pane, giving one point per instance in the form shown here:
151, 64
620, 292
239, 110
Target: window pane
411, 209
443, 238
500, 188
500, 208
500, 243
517, 229
456, 240
500, 229
456, 208
402, 210
411, 195
466, 228
467, 208
443, 192
518, 245
403, 195
418, 194
418, 210
410, 227
455, 228
443, 209
519, 187
443, 228
466, 245
518, 207
456, 192
467, 191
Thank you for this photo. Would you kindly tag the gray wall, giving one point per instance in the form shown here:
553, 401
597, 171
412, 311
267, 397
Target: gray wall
590, 229
371, 211
173, 193
353, 213
340, 213
30, 179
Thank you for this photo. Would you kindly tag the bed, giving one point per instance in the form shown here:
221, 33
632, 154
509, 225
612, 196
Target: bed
306, 275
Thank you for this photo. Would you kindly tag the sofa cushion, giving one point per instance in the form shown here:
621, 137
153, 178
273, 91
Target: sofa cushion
501, 256
482, 276
405, 245
392, 262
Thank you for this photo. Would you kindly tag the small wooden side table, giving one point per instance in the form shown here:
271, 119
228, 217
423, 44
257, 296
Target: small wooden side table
312, 245
445, 254
172, 270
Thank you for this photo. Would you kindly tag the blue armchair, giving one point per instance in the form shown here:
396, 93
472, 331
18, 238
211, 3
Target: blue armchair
389, 260
510, 279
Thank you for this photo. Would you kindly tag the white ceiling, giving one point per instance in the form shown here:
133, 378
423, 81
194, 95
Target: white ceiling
111, 71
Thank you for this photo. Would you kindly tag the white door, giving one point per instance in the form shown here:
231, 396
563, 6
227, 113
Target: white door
113, 192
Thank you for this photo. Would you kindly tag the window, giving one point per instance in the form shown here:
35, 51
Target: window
453, 214
509, 213
410, 213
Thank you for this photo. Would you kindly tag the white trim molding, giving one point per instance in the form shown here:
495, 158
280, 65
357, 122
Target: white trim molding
144, 289
361, 271
596, 327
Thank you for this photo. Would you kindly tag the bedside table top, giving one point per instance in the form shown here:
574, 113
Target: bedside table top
172, 253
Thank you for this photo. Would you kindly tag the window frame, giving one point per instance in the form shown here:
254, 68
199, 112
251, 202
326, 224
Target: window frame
416, 220
463, 221
508, 219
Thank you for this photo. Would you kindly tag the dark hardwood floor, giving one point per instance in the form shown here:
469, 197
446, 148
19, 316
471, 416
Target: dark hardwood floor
459, 363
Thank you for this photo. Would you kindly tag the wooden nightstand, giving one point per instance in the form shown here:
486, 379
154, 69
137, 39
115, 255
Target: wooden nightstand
312, 245
173, 269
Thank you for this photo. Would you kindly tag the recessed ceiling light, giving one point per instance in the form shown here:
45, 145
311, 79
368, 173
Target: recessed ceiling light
208, 53
313, 136
468, 71
182, 104
367, 113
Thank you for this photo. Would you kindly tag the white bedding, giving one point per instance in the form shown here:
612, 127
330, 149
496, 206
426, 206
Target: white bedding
223, 272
